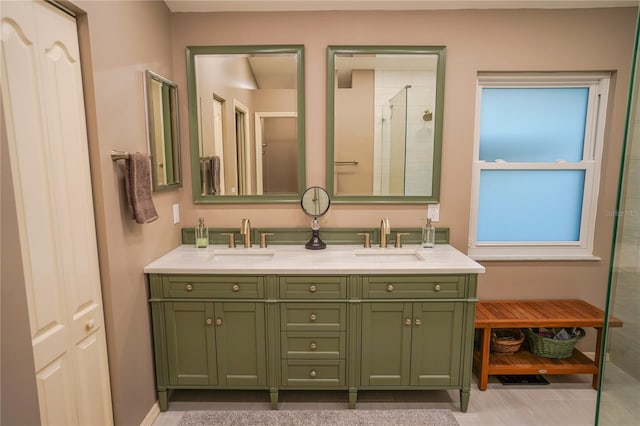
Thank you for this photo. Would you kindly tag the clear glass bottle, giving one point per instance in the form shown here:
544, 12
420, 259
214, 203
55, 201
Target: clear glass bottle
202, 234
428, 234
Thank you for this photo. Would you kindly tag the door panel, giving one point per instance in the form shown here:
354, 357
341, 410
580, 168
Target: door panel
436, 343
241, 344
56, 393
191, 344
386, 344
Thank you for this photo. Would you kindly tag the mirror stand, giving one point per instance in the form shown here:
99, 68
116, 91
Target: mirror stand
315, 243
315, 203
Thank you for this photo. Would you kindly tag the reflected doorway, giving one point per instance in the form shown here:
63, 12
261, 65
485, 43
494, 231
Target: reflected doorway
277, 161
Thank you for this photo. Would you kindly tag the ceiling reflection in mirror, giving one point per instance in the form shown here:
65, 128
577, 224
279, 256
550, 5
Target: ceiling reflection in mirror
247, 123
384, 132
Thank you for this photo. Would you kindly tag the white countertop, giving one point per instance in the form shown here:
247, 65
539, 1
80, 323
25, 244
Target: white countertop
295, 259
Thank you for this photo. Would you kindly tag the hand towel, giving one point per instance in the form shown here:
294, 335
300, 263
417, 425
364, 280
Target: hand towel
206, 182
138, 188
215, 172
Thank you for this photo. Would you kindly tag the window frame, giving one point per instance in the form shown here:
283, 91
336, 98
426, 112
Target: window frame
598, 85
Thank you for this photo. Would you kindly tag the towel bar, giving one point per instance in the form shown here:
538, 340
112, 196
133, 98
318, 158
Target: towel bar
347, 163
119, 155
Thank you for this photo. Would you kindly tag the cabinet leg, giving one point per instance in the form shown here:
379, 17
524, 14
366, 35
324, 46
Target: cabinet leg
163, 400
353, 397
274, 399
464, 400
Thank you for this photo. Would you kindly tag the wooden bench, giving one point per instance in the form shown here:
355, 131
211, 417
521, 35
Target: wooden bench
536, 313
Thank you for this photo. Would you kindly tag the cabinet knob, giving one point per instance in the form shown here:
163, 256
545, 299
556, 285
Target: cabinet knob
235, 288
312, 288
437, 287
418, 322
407, 321
209, 321
189, 287
218, 321
313, 317
313, 373
90, 324
313, 346
390, 288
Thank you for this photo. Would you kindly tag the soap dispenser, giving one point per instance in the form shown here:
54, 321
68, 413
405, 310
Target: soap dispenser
202, 234
428, 234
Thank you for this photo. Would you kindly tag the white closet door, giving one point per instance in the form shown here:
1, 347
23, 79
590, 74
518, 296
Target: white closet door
43, 102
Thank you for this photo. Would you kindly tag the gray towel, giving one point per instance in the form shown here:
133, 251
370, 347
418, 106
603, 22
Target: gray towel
138, 188
215, 174
206, 176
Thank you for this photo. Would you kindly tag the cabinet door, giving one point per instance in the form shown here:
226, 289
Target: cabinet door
191, 343
386, 344
436, 343
241, 347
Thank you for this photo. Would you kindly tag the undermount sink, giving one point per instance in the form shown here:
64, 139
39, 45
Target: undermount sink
388, 255
243, 255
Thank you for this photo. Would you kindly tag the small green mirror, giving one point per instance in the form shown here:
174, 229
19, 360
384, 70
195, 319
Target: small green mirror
162, 122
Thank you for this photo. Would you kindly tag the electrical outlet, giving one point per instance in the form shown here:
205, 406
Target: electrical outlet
433, 212
176, 213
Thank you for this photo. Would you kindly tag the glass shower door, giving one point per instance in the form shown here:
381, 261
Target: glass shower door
620, 382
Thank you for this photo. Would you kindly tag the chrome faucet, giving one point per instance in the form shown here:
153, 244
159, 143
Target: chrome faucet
245, 229
385, 229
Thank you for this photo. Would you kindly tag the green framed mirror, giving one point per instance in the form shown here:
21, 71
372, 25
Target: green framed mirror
246, 123
384, 123
162, 123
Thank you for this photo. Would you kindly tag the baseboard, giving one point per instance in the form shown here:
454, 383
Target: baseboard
152, 415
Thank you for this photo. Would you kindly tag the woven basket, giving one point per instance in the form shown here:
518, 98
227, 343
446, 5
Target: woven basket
547, 347
506, 341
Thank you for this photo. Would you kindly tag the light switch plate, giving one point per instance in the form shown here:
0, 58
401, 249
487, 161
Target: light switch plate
176, 213
433, 212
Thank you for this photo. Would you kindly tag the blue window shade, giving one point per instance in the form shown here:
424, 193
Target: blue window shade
530, 205
533, 124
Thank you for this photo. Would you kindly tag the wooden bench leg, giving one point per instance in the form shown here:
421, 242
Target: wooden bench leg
596, 360
483, 370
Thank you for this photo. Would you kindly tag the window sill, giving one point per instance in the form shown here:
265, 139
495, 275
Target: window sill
529, 257
531, 253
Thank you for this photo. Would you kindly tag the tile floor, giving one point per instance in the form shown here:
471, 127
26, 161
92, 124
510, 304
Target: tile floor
567, 400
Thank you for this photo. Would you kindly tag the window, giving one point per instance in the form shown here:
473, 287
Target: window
536, 169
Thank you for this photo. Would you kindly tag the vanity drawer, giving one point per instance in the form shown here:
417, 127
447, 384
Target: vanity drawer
292, 287
313, 373
232, 287
313, 316
313, 345
421, 287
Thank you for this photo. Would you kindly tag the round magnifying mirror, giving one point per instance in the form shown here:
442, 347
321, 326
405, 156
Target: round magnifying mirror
315, 203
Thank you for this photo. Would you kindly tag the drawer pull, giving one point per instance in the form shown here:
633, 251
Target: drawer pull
218, 321
313, 346
235, 288
209, 321
313, 373
542, 371
189, 287
418, 322
407, 321
390, 288
312, 288
313, 317
437, 287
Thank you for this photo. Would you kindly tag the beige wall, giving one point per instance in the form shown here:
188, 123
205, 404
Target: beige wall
119, 40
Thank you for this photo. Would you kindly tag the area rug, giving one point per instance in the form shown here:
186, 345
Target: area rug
319, 417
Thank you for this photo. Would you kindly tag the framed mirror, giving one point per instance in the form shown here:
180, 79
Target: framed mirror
384, 123
162, 122
246, 123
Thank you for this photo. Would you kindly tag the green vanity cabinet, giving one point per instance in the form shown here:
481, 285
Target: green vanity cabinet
300, 332
207, 334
